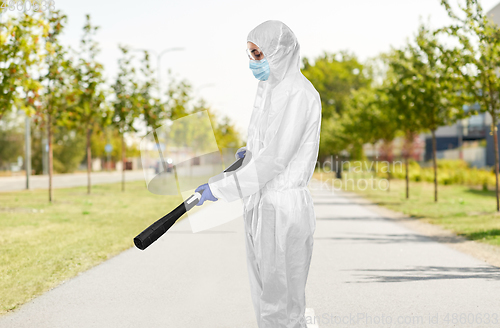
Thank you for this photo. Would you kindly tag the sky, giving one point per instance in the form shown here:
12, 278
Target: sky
213, 35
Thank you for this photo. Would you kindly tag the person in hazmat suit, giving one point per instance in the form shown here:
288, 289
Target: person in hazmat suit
283, 140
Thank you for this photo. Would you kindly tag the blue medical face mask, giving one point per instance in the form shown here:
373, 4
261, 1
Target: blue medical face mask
260, 69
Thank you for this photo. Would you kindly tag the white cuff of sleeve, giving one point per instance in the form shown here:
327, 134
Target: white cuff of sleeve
214, 190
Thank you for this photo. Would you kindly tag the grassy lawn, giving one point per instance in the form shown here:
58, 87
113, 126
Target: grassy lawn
463, 210
43, 244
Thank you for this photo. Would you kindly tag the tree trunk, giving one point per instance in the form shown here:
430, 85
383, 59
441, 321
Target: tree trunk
434, 163
49, 137
89, 161
407, 153
389, 179
123, 162
27, 152
495, 145
407, 179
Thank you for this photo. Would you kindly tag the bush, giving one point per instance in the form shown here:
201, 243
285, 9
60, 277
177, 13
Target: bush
449, 172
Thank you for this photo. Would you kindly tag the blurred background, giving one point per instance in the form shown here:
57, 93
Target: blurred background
189, 56
410, 94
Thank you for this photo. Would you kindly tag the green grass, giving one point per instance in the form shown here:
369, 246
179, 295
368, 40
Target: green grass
43, 244
463, 210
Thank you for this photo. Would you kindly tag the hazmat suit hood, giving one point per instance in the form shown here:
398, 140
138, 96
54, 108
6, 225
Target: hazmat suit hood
280, 48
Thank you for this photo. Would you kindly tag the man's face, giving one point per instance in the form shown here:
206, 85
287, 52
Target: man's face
254, 52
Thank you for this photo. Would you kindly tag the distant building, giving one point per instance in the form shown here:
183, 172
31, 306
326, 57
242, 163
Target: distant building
495, 14
470, 133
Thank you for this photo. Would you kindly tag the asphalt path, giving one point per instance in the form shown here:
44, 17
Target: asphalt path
366, 271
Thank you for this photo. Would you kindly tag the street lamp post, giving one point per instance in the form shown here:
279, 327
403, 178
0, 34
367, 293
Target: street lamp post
206, 85
159, 62
203, 86
27, 146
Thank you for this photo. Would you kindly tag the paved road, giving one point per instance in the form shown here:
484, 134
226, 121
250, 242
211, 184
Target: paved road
66, 180
364, 266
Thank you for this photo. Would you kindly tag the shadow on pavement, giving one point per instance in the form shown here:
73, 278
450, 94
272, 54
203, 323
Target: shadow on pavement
394, 238
422, 273
201, 232
351, 218
367, 218
360, 204
319, 195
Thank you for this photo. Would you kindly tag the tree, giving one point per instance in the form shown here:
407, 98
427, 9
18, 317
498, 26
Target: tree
179, 99
68, 148
89, 111
477, 60
372, 117
20, 57
435, 88
388, 126
58, 94
226, 133
11, 140
335, 77
403, 95
363, 122
126, 106
180, 102
152, 110
20, 54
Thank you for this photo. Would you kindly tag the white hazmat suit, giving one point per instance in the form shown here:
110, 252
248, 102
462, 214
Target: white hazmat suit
283, 141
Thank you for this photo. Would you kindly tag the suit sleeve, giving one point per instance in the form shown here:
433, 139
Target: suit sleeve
273, 158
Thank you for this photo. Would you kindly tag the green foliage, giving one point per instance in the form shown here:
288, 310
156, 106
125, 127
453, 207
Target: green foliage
373, 118
20, 56
476, 61
152, 110
364, 122
112, 136
451, 172
11, 140
57, 94
440, 99
90, 112
89, 109
69, 150
226, 134
335, 77
179, 99
36, 153
181, 103
477, 57
126, 106
452, 164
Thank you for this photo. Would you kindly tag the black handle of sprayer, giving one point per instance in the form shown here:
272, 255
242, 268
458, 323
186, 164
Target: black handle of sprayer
157, 229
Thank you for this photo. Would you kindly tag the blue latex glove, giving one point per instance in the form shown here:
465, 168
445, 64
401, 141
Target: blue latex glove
241, 154
206, 194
